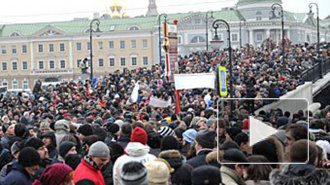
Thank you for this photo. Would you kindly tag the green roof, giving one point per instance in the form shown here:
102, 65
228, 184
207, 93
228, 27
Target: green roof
244, 2
79, 26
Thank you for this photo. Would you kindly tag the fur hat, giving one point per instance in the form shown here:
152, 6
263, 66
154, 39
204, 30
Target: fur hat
173, 157
158, 172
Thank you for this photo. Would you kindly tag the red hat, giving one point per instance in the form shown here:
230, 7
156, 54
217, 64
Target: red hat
246, 124
139, 135
54, 174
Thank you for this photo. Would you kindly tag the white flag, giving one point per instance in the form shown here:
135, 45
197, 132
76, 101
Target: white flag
159, 103
192, 81
135, 93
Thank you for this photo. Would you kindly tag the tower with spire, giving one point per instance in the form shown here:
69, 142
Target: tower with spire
152, 9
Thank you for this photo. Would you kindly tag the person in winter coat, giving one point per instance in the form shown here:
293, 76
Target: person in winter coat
50, 141
136, 150
28, 163
295, 174
91, 165
204, 144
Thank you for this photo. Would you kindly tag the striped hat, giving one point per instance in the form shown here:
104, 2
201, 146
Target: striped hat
134, 173
166, 131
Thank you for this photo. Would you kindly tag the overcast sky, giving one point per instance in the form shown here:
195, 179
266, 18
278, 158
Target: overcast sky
21, 11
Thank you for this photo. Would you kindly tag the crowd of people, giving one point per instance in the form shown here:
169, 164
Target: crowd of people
94, 133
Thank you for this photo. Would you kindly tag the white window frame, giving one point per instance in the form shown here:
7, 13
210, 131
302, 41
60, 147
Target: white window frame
121, 61
27, 83
12, 84
98, 62
143, 42
60, 63
114, 61
25, 49
4, 62
12, 65
134, 56
14, 48
53, 49
143, 60
232, 37
42, 46
80, 45
120, 42
133, 44
43, 64
113, 44
49, 64
27, 65
259, 40
100, 45
61, 48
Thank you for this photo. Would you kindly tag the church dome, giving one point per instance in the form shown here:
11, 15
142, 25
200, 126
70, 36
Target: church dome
125, 14
116, 14
116, 5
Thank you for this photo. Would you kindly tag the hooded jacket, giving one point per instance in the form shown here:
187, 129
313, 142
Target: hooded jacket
85, 171
230, 177
18, 176
296, 174
134, 152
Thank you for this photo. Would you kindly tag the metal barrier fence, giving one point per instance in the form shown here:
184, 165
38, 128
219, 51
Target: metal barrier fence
320, 68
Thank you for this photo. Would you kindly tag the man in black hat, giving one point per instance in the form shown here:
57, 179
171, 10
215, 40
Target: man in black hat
232, 173
27, 165
204, 144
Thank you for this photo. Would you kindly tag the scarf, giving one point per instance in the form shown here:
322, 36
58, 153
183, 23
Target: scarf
88, 159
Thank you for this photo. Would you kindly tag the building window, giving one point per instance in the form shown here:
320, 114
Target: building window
78, 46
3, 50
15, 84
51, 64
258, 16
111, 45
4, 66
145, 61
111, 62
5, 83
62, 64
134, 61
62, 47
100, 45
24, 49
179, 40
234, 37
122, 44
40, 48
41, 64
197, 39
145, 43
122, 61
13, 49
51, 48
133, 28
259, 37
197, 21
133, 44
78, 62
14, 65
88, 46
25, 65
101, 62
25, 84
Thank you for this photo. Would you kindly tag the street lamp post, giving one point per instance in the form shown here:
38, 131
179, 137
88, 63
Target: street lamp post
282, 22
159, 36
240, 33
325, 36
318, 25
97, 22
207, 28
216, 24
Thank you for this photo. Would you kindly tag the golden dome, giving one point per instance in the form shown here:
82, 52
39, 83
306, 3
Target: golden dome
116, 14
116, 5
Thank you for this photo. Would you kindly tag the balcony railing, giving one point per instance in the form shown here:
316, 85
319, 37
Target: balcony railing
51, 71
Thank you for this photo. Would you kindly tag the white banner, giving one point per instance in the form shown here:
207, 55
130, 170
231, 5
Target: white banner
135, 93
193, 81
159, 103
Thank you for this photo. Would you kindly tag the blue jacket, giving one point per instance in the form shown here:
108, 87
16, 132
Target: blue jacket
18, 176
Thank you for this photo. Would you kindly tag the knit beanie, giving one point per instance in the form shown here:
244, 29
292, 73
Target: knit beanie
73, 160
34, 142
99, 149
62, 125
168, 143
28, 157
139, 135
15, 147
189, 135
113, 128
206, 138
206, 175
65, 147
85, 130
158, 172
166, 131
55, 174
134, 173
